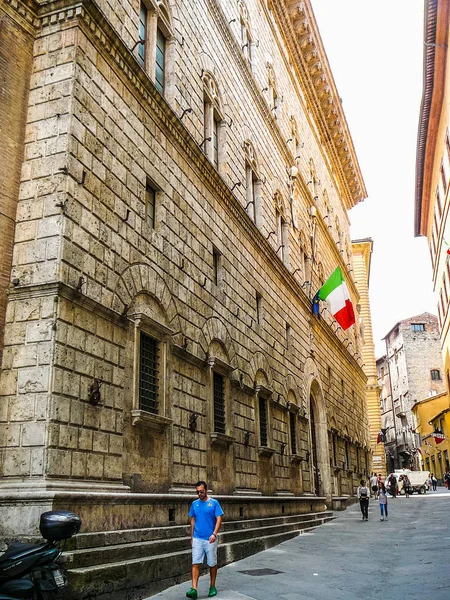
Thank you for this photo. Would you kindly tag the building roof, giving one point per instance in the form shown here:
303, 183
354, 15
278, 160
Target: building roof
434, 62
446, 410
428, 399
409, 319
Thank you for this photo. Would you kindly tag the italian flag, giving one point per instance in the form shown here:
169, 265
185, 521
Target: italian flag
335, 292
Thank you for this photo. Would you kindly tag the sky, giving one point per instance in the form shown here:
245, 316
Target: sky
375, 51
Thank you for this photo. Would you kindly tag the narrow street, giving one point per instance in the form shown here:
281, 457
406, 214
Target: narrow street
406, 557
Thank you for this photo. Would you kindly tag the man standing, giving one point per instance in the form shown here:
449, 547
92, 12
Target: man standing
206, 519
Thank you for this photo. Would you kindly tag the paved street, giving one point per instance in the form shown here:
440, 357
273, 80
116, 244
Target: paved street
407, 557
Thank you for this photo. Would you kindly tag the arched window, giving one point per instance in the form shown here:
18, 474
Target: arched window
274, 101
155, 31
246, 35
296, 144
315, 182
304, 258
282, 229
213, 119
253, 184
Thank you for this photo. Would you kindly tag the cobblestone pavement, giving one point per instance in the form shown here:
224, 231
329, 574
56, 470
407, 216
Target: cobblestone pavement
407, 557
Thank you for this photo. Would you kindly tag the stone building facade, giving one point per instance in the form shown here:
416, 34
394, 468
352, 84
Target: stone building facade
410, 371
187, 172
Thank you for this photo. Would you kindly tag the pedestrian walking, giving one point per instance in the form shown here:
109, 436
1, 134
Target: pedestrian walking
363, 494
407, 486
447, 479
382, 499
374, 484
206, 518
433, 482
392, 485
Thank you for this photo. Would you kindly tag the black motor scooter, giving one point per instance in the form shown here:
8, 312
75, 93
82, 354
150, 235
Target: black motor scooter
37, 571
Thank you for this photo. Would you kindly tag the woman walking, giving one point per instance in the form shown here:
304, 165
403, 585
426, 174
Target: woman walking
363, 494
382, 498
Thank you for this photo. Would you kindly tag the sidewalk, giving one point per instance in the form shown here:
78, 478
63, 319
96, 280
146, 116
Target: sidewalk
407, 557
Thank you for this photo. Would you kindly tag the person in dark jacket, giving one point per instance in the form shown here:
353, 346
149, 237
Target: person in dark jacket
392, 485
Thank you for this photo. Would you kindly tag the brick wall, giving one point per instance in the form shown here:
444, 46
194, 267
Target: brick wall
16, 45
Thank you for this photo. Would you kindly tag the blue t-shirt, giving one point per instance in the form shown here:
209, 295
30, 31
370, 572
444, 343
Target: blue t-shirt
205, 514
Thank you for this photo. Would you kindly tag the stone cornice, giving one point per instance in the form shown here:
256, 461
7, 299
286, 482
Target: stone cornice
296, 20
24, 13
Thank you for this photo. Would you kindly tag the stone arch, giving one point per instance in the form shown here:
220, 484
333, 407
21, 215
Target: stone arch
251, 156
212, 90
291, 388
144, 279
259, 363
215, 330
317, 412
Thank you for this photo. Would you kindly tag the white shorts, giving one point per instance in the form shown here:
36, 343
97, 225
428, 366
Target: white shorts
202, 547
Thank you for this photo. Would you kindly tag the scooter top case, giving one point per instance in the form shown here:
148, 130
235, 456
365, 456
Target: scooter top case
21, 558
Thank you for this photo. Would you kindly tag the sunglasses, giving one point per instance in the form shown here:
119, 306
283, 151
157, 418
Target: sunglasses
201, 491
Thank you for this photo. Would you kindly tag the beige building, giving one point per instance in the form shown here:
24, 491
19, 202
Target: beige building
432, 203
362, 255
186, 173
410, 371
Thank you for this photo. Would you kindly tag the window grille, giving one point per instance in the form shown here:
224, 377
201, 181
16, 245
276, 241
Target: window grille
160, 60
263, 422
418, 326
292, 427
150, 197
148, 373
219, 403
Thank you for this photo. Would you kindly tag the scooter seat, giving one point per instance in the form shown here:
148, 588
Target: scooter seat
18, 549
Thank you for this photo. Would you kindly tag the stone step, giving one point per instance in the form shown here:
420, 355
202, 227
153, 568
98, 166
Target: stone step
133, 570
143, 577
128, 536
125, 551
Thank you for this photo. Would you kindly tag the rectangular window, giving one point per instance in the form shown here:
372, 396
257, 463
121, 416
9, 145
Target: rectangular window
148, 373
443, 178
435, 375
418, 326
347, 456
439, 203
160, 61
259, 307
150, 203
219, 403
288, 336
217, 262
143, 15
216, 142
263, 422
292, 428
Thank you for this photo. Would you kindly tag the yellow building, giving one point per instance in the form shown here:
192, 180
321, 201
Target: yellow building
362, 252
433, 414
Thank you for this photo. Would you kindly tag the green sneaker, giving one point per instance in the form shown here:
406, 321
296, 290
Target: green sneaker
212, 592
192, 593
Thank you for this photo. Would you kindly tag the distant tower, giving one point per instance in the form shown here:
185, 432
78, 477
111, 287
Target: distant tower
362, 251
